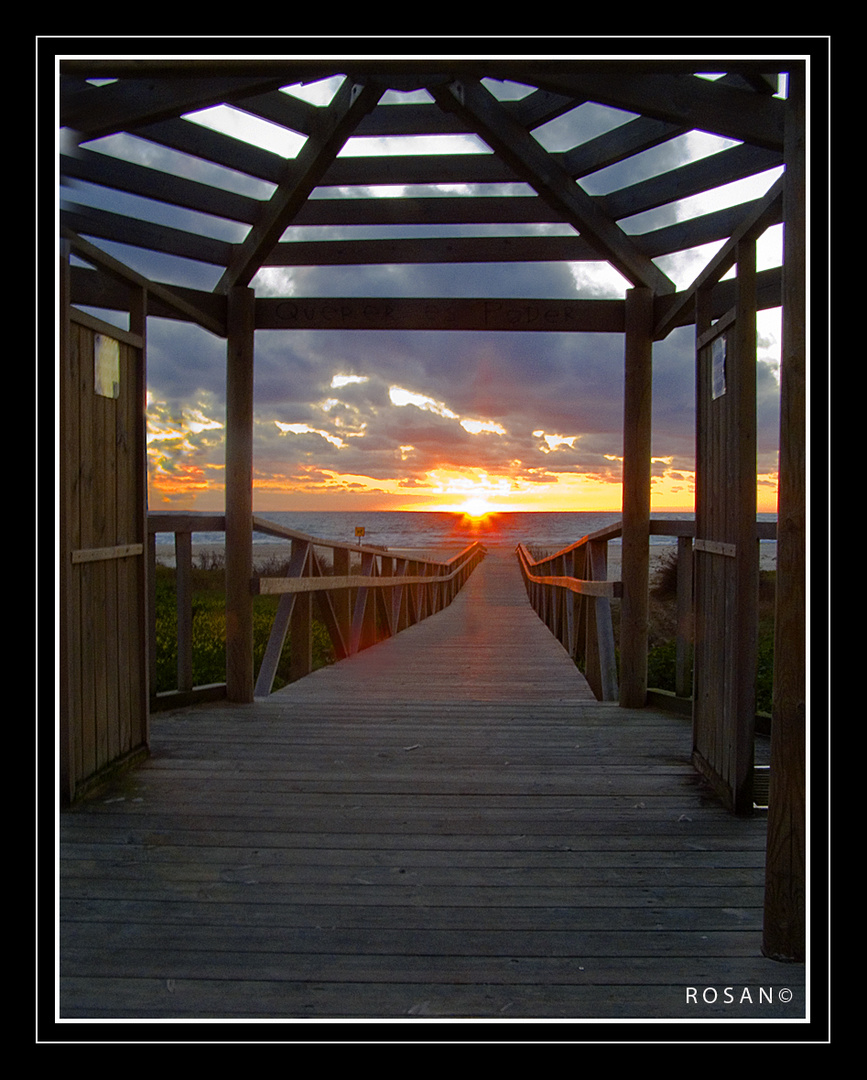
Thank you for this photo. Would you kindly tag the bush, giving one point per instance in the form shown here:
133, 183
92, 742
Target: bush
665, 587
661, 666
209, 631
662, 647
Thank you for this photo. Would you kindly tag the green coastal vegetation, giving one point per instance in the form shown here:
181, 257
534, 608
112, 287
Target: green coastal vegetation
662, 645
209, 628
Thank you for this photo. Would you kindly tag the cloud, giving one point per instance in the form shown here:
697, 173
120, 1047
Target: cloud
412, 411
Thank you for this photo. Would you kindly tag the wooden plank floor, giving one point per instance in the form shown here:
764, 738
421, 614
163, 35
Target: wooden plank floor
429, 830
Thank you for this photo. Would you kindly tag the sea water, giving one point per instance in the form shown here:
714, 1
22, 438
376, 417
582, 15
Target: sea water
429, 529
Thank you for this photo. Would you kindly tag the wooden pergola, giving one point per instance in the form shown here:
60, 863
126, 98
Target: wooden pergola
108, 107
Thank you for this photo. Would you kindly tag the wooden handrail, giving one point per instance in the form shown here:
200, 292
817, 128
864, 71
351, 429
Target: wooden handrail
590, 640
765, 530
376, 603
273, 586
579, 586
392, 591
574, 603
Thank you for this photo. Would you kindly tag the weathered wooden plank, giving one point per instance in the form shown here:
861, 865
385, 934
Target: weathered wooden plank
479, 249
94, 845
303, 939
376, 849
431, 969
187, 998
184, 607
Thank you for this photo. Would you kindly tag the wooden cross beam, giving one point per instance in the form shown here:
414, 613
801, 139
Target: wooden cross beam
483, 113
340, 119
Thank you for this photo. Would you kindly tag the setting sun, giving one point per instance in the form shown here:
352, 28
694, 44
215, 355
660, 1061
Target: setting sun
476, 507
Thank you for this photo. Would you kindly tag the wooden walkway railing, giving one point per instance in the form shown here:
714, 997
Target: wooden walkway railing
571, 593
387, 593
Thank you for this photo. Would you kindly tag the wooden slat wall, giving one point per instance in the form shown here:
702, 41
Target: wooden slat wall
713, 578
726, 555
106, 710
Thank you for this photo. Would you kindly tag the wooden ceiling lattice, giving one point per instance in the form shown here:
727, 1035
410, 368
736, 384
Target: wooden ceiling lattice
140, 175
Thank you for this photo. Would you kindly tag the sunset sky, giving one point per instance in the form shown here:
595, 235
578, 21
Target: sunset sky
410, 420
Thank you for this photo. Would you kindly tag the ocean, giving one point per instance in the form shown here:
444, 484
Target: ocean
429, 529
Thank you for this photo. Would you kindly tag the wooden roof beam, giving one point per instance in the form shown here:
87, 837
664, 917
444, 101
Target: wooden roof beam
432, 249
633, 137
553, 183
135, 232
682, 99
116, 269
148, 183
352, 102
766, 212
616, 145
104, 110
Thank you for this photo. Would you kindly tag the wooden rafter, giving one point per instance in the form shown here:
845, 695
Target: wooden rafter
103, 110
684, 100
181, 305
552, 182
351, 103
507, 126
694, 178
147, 183
122, 229
765, 212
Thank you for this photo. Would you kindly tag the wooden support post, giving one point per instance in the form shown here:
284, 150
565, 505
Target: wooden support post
747, 563
138, 312
239, 495
785, 876
67, 653
635, 572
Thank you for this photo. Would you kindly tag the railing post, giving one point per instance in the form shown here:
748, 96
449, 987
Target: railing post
635, 573
607, 659
386, 564
341, 600
184, 604
152, 611
301, 637
683, 658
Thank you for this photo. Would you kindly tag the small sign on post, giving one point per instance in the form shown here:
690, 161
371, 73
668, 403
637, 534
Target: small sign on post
359, 532
718, 358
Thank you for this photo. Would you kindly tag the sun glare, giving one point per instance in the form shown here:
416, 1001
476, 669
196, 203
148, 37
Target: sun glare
476, 508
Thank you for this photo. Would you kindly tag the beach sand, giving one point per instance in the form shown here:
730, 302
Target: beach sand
265, 554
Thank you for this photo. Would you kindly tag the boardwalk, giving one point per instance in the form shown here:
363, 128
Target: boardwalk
445, 826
